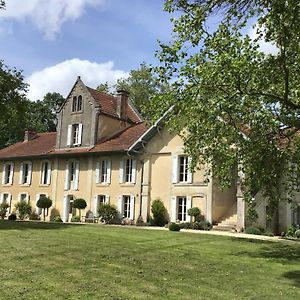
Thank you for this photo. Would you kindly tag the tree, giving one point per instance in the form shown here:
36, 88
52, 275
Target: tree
79, 204
159, 213
24, 209
12, 105
3, 210
142, 85
42, 114
195, 213
107, 213
44, 203
239, 107
103, 87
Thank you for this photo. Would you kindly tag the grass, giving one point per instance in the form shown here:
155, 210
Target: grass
59, 261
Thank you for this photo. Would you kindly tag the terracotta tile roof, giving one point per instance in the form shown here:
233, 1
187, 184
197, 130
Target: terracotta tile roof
41, 145
108, 105
44, 144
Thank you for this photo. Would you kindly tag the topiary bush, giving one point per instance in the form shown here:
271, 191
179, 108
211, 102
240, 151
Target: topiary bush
159, 213
12, 217
186, 225
107, 213
252, 230
24, 209
75, 219
195, 213
297, 234
3, 210
202, 225
56, 219
44, 203
174, 227
79, 204
34, 216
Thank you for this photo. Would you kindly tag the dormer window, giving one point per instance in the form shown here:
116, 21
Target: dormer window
74, 135
77, 103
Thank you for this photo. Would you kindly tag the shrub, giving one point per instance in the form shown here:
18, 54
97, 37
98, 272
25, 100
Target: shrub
107, 213
202, 225
194, 212
56, 219
23, 209
3, 210
54, 214
252, 230
34, 216
297, 234
44, 203
186, 225
174, 227
268, 233
159, 213
79, 204
75, 219
291, 230
12, 217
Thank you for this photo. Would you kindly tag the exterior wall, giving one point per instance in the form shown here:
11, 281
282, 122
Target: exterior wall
88, 117
107, 126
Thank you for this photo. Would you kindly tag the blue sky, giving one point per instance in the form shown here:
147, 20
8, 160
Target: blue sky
53, 41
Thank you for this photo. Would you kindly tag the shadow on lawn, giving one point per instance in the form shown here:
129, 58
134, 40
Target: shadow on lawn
283, 253
25, 225
293, 275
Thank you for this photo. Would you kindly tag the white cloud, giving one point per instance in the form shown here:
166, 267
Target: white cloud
61, 77
47, 15
266, 47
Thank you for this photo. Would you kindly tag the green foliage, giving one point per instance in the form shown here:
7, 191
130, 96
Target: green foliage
218, 92
34, 216
24, 209
3, 210
297, 234
291, 230
174, 227
54, 214
103, 87
202, 225
44, 203
107, 213
159, 213
56, 219
75, 219
79, 204
194, 212
186, 225
252, 230
12, 217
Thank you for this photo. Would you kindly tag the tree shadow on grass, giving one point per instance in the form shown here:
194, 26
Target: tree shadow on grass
25, 225
279, 252
293, 275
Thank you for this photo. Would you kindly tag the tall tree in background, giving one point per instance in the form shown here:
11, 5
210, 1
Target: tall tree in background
235, 105
142, 85
13, 105
103, 87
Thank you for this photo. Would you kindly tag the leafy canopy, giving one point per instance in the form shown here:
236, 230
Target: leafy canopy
239, 107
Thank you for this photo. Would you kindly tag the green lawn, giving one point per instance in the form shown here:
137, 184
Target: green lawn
58, 261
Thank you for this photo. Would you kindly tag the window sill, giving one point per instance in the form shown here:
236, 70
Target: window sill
77, 112
7, 184
126, 184
44, 185
24, 184
178, 184
103, 184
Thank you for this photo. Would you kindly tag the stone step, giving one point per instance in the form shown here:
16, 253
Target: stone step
224, 228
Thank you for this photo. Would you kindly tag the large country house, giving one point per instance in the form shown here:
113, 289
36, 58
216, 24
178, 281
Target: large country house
103, 152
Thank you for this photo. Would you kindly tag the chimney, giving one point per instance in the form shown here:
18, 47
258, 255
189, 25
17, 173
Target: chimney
122, 103
29, 135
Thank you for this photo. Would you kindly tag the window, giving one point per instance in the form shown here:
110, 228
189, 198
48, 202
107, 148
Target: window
45, 172
74, 135
6, 198
179, 207
100, 200
72, 210
8, 171
126, 206
127, 170
77, 103
25, 173
103, 169
72, 175
181, 169
23, 197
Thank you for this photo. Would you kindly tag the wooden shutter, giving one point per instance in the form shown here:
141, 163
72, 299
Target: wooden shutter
80, 134
3, 173
9, 203
173, 208
1, 198
65, 210
190, 174
76, 183
106, 199
175, 169
21, 173
49, 173
11, 177
120, 205
133, 177
132, 206
98, 172
108, 171
29, 173
37, 209
121, 172
67, 177
69, 136
188, 206
96, 205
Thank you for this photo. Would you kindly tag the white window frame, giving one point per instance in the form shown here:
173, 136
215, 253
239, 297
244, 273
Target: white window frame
130, 205
75, 103
22, 174
8, 166
174, 209
74, 136
103, 171
43, 173
127, 170
72, 184
27, 197
176, 166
